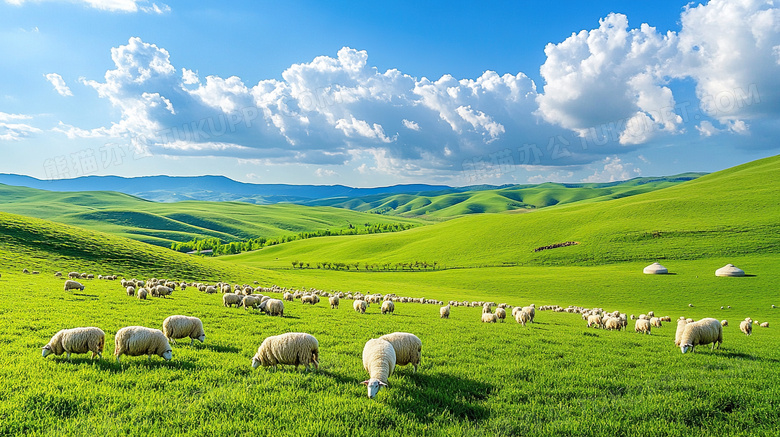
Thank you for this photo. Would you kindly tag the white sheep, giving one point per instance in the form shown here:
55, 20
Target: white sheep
334, 302
272, 307
360, 306
522, 317
182, 326
444, 312
292, 348
161, 291
73, 285
680, 328
77, 341
724, 323
251, 301
655, 322
746, 326
501, 314
130, 290
488, 318
210, 289
764, 325
594, 320
531, 310
288, 296
230, 299
388, 307
142, 293
310, 299
379, 361
703, 332
408, 348
642, 325
138, 340
613, 323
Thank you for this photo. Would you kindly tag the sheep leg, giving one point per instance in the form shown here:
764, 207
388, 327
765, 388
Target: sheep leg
68, 356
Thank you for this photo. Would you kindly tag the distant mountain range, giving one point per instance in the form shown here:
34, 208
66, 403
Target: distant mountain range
211, 188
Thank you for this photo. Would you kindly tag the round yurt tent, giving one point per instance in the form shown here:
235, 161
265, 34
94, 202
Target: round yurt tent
655, 269
729, 270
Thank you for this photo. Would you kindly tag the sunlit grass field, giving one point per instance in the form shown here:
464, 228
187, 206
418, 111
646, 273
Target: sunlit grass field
552, 377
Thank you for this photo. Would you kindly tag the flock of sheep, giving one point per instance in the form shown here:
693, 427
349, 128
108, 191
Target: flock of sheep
130, 340
380, 355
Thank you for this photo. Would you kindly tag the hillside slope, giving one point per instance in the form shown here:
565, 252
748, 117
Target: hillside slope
727, 213
36, 244
517, 197
163, 223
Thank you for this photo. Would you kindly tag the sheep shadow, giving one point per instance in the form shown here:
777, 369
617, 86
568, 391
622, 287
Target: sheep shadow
431, 394
109, 364
220, 348
744, 356
93, 296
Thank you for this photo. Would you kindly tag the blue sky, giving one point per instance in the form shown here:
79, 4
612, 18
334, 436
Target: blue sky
375, 94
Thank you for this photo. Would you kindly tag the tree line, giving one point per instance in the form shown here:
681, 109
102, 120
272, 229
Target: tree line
366, 266
230, 248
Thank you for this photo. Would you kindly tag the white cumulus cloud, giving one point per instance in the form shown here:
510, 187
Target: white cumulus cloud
614, 170
11, 129
109, 5
59, 84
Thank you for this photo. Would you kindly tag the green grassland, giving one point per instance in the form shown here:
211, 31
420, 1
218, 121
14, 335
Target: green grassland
553, 377
163, 223
514, 198
732, 212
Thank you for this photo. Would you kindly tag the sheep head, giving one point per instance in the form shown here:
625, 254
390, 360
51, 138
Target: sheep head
46, 350
373, 386
686, 347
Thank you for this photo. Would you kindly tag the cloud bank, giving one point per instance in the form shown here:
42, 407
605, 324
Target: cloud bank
611, 86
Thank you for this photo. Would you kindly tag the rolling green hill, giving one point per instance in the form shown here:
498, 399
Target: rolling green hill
513, 198
164, 223
42, 245
731, 212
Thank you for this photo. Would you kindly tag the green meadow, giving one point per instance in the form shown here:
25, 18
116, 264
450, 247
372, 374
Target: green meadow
552, 377
164, 223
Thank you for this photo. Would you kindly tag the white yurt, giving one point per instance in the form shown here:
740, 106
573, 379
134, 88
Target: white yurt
655, 269
729, 270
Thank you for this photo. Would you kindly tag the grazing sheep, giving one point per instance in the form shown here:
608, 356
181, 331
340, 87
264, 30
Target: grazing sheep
500, 314
210, 289
138, 340
612, 323
703, 332
230, 299
379, 361
142, 293
161, 291
522, 317
642, 325
292, 348
251, 301
531, 310
77, 341
311, 299
73, 285
25, 271
408, 348
74, 275
360, 306
764, 325
724, 323
388, 307
288, 296
272, 307
181, 327
651, 314
656, 322
444, 312
130, 290
334, 302
594, 321
486, 309
746, 326
488, 318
